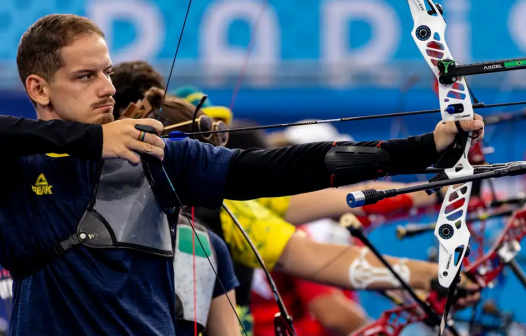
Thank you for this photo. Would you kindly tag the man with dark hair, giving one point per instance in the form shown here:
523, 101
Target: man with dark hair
87, 245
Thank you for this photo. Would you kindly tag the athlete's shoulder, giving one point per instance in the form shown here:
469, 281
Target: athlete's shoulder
219, 244
269, 232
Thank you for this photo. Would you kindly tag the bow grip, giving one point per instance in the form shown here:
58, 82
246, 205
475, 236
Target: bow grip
157, 177
145, 128
454, 152
450, 157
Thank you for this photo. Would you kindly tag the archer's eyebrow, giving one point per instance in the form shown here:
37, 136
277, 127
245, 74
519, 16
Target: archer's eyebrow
91, 70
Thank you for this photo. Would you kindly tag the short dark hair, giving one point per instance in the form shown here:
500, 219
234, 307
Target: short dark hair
39, 50
131, 81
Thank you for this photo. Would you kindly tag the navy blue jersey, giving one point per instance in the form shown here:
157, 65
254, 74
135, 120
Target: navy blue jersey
225, 272
92, 291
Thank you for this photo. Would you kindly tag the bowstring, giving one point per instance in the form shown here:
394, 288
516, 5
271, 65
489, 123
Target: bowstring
242, 72
175, 57
177, 196
209, 261
281, 306
193, 125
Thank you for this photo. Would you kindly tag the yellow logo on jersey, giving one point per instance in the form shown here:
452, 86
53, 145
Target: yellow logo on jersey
41, 187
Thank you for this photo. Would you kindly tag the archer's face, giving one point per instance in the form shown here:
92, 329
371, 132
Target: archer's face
82, 90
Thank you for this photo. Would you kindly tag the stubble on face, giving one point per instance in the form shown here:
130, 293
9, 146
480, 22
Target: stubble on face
105, 118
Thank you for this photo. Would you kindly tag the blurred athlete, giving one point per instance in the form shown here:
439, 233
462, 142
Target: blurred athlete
317, 309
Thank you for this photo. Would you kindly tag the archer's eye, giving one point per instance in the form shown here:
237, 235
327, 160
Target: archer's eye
85, 77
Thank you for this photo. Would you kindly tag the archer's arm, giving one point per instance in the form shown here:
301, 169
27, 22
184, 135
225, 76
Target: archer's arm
297, 169
286, 249
305, 258
22, 136
206, 175
115, 140
309, 167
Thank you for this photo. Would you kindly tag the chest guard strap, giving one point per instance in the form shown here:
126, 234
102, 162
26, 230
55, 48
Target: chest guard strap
57, 251
123, 213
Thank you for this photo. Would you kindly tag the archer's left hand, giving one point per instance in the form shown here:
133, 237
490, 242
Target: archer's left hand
445, 133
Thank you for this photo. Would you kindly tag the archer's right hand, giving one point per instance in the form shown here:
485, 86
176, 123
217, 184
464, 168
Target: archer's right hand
120, 139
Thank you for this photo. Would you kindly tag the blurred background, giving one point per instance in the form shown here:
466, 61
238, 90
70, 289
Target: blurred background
290, 60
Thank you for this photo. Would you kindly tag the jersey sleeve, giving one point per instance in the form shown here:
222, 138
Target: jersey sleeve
29, 137
197, 171
225, 267
269, 233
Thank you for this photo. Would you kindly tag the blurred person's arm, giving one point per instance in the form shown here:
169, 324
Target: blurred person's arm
337, 313
304, 258
330, 307
221, 319
332, 203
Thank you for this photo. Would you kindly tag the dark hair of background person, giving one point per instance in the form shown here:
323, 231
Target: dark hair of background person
131, 81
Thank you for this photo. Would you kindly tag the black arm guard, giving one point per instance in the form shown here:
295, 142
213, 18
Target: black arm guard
356, 160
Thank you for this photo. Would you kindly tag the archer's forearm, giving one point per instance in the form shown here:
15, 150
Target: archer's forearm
332, 264
297, 169
22, 136
332, 203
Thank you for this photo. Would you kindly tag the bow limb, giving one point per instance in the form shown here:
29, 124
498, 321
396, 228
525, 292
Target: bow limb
393, 321
455, 104
282, 320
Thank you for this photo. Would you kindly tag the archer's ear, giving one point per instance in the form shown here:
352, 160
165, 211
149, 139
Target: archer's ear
38, 89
